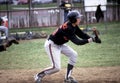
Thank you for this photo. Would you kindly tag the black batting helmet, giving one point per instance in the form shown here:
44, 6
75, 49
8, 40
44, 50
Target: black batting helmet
73, 15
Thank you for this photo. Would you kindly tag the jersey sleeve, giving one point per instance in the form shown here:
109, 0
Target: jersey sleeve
77, 37
81, 34
78, 41
72, 36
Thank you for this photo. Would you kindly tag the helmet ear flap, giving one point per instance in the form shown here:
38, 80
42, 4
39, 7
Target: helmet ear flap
73, 20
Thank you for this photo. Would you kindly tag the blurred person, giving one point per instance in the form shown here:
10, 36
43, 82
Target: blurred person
5, 20
66, 6
99, 13
3, 27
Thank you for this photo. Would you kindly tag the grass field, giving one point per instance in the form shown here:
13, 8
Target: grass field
30, 54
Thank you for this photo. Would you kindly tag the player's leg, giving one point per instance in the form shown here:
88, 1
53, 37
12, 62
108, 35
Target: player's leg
53, 52
8, 44
2, 47
72, 55
11, 41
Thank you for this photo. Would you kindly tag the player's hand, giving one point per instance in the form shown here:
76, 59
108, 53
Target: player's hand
96, 38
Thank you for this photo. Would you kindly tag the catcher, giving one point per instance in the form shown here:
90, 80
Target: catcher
55, 45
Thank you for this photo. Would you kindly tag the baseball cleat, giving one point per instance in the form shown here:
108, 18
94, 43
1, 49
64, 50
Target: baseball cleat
70, 80
38, 79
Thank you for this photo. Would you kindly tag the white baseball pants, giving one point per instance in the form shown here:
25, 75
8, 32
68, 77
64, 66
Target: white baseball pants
54, 52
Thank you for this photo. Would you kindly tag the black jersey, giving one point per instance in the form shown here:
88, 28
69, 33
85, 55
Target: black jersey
67, 32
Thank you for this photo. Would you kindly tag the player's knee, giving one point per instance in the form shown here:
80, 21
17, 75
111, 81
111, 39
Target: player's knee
73, 59
75, 55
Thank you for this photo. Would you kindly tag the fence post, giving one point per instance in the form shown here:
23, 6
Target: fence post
58, 14
30, 5
8, 17
85, 15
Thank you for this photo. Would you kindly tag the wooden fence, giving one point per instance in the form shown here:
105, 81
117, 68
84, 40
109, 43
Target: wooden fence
22, 18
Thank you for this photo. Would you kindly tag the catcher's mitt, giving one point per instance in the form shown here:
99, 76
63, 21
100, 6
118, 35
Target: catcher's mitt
96, 33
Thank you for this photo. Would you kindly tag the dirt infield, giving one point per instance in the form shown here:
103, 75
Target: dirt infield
83, 75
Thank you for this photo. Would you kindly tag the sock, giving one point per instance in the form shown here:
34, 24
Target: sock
69, 70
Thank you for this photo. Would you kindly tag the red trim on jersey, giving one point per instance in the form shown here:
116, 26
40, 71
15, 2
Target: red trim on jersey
64, 26
55, 32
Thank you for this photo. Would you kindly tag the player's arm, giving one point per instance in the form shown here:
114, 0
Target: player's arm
81, 34
78, 41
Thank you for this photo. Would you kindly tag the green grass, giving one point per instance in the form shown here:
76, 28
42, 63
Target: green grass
36, 29
30, 54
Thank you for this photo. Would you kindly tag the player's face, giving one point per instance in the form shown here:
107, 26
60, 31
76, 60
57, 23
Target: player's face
78, 21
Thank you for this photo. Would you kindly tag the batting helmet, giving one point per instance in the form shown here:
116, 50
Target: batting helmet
73, 15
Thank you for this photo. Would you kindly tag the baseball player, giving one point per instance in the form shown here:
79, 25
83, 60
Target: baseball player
55, 45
